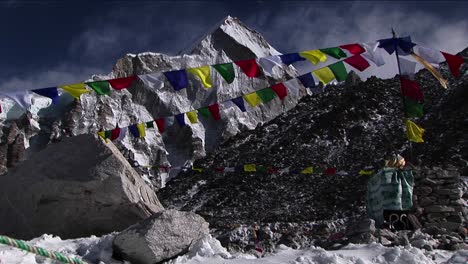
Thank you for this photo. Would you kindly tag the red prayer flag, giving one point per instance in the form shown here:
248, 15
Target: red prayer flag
330, 171
358, 62
280, 90
160, 124
122, 83
249, 67
272, 170
115, 133
214, 110
454, 63
353, 48
411, 89
219, 169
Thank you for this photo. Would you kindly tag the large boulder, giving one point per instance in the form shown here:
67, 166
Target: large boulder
161, 237
78, 187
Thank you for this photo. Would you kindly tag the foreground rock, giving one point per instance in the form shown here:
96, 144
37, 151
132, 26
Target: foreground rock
160, 237
76, 188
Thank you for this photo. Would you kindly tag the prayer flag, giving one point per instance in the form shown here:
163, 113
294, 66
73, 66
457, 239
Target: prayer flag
150, 124
204, 111
204, 74
239, 101
102, 134
160, 123
266, 94
192, 116
335, 52
178, 79
411, 89
250, 168
407, 67
199, 170
314, 56
229, 169
307, 80
330, 171
249, 67
430, 55
214, 110
358, 62
226, 70
454, 63
21, 98
100, 87
325, 75
374, 53
219, 169
134, 130
404, 45
414, 132
180, 119
366, 172
75, 90
123, 132
291, 58
308, 170
339, 71
261, 168
115, 133
268, 63
353, 48
412, 107
50, 92
432, 70
293, 86
253, 99
141, 129
108, 134
122, 83
280, 90
152, 80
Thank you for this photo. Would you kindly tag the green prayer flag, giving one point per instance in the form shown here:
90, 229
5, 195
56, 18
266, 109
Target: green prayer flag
226, 70
266, 94
261, 168
339, 71
107, 134
413, 108
204, 112
150, 124
101, 87
335, 52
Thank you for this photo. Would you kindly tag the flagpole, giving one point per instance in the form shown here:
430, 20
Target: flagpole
403, 99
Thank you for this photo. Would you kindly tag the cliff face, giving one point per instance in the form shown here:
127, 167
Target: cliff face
227, 41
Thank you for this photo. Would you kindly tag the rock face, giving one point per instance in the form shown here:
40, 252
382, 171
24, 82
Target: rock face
76, 188
161, 237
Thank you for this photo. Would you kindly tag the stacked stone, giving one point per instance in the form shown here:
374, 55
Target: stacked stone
438, 198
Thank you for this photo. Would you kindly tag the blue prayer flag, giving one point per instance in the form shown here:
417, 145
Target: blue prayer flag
307, 80
403, 43
290, 58
178, 79
239, 101
50, 92
180, 119
134, 131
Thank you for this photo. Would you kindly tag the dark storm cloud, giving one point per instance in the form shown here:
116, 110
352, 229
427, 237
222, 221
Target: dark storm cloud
80, 39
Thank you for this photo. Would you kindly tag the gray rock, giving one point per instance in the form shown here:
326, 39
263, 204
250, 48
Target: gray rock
160, 237
426, 201
366, 225
76, 188
423, 191
439, 209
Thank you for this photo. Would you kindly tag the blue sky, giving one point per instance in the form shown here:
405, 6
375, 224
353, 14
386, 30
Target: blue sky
46, 43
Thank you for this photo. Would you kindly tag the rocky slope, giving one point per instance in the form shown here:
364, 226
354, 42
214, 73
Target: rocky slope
227, 41
350, 127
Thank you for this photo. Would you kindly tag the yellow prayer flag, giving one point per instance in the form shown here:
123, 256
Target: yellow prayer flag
197, 169
102, 134
250, 167
325, 75
253, 99
431, 69
192, 116
414, 132
308, 170
141, 130
203, 73
75, 90
315, 56
366, 172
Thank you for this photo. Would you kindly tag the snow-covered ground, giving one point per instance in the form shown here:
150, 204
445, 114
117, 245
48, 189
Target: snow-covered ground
209, 251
